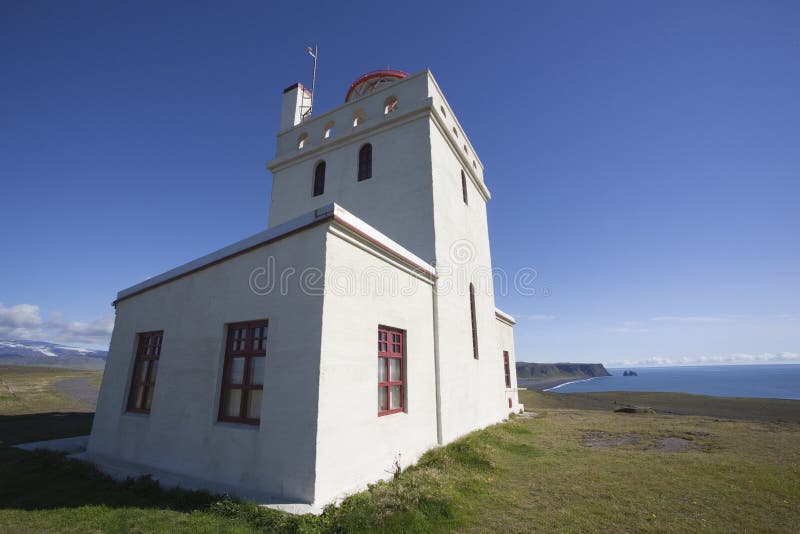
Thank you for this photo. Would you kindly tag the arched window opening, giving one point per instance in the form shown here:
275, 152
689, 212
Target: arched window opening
365, 162
474, 321
455, 132
464, 187
441, 108
302, 141
358, 118
319, 179
474, 164
329, 130
466, 150
389, 105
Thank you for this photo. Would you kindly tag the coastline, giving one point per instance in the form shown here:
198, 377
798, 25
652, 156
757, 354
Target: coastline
572, 382
548, 385
776, 381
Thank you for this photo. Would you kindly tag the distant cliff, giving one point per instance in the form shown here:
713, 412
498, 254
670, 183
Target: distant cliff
543, 375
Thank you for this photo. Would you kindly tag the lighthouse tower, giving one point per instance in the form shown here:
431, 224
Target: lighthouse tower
425, 190
356, 332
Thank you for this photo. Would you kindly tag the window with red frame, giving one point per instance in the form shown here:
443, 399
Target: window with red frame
507, 368
243, 374
391, 384
145, 368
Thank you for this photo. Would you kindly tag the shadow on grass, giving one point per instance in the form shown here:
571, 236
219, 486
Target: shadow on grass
422, 498
41, 480
15, 429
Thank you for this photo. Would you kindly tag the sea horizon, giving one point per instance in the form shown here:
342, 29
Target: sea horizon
779, 381
760, 364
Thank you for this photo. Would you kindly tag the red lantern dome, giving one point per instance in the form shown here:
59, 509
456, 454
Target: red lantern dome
372, 81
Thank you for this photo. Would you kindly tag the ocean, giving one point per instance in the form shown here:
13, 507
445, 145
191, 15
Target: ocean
772, 381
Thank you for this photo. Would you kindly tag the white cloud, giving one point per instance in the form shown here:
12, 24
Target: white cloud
97, 332
19, 321
24, 321
727, 359
687, 318
629, 327
537, 317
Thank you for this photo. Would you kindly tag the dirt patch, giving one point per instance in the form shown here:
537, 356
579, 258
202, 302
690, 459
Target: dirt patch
528, 415
601, 440
673, 444
634, 409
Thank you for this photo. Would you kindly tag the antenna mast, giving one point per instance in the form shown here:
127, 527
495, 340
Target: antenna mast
313, 53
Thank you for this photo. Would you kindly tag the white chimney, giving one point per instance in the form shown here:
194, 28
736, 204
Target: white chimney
296, 100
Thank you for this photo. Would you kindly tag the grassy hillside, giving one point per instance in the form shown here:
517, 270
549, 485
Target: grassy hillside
25, 390
577, 466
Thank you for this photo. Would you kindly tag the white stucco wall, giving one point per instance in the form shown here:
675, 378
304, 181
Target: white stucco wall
355, 446
473, 391
320, 435
505, 342
384, 201
181, 434
415, 198
398, 199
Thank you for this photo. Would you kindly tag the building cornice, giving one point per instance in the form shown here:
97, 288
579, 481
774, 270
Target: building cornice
504, 317
379, 243
352, 225
455, 118
399, 118
362, 132
299, 127
441, 125
424, 108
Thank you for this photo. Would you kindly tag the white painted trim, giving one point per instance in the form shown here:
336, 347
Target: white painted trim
452, 113
319, 118
260, 238
329, 211
503, 316
466, 165
401, 117
406, 115
343, 216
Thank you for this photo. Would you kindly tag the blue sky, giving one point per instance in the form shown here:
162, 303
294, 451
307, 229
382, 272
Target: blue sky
643, 157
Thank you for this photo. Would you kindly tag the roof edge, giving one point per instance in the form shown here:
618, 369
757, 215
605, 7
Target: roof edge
269, 235
503, 316
313, 218
381, 240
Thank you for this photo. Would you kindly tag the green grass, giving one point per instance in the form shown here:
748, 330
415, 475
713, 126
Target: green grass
676, 403
25, 390
528, 474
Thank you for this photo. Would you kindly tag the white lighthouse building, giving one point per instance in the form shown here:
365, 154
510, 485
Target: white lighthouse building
357, 331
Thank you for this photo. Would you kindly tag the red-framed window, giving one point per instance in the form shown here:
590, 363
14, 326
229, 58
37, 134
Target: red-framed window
365, 162
507, 368
474, 321
145, 368
243, 372
391, 372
